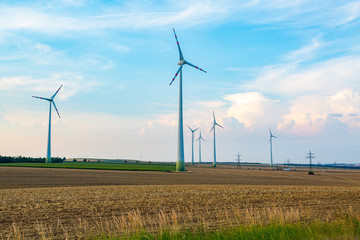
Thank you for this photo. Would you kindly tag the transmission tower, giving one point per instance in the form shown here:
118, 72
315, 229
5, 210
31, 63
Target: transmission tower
310, 156
238, 160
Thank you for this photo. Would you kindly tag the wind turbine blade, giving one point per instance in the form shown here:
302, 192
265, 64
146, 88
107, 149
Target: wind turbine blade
42, 98
56, 92
214, 116
219, 125
199, 135
200, 138
196, 129
190, 128
274, 136
212, 127
175, 75
194, 66
180, 53
56, 109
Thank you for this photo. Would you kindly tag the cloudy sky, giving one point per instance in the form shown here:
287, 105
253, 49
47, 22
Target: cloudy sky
293, 66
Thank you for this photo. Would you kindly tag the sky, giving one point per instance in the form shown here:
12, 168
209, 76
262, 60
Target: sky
292, 66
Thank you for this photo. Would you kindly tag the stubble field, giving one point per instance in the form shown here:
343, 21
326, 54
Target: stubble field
59, 203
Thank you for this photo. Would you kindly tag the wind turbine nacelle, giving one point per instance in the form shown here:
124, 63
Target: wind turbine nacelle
181, 62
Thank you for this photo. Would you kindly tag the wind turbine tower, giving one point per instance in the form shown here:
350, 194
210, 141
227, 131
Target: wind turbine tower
180, 163
51, 100
270, 141
213, 128
199, 139
192, 144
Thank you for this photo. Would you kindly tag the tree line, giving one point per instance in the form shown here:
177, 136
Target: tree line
18, 159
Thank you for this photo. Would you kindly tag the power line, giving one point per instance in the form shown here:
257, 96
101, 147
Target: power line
310, 156
238, 160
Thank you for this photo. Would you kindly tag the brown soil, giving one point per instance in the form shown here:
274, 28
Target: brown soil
33, 197
16, 177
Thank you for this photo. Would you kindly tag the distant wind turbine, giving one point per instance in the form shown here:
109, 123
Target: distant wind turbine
270, 141
51, 100
180, 164
213, 128
192, 144
199, 139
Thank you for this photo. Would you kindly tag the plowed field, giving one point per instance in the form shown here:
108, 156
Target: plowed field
62, 203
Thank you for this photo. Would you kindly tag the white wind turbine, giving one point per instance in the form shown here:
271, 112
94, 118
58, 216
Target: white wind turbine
270, 141
192, 144
213, 128
180, 163
199, 139
51, 100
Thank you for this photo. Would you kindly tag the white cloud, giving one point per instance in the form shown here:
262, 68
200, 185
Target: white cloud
17, 47
167, 120
311, 94
305, 53
310, 114
296, 80
26, 118
303, 13
186, 13
349, 11
121, 48
252, 108
73, 83
211, 105
73, 2
17, 18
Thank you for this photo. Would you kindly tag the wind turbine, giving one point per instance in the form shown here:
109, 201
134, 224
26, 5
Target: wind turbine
180, 164
192, 144
270, 141
199, 139
213, 128
51, 100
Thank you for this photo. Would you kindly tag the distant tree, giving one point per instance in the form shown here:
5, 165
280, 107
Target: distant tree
74, 160
8, 159
84, 160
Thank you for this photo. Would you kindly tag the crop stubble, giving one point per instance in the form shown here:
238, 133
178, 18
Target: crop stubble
187, 205
18, 177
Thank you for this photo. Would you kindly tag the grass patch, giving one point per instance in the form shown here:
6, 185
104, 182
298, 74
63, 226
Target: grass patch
345, 228
98, 166
163, 225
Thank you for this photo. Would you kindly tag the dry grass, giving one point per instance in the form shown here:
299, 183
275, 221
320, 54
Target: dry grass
50, 213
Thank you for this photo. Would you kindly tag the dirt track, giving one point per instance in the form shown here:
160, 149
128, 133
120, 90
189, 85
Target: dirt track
14, 177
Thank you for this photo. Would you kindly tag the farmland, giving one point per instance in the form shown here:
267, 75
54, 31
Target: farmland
59, 203
17, 177
98, 166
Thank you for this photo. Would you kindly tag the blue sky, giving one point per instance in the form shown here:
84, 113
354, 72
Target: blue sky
293, 66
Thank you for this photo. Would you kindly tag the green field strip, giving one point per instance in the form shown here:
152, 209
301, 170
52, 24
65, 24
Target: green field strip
97, 166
